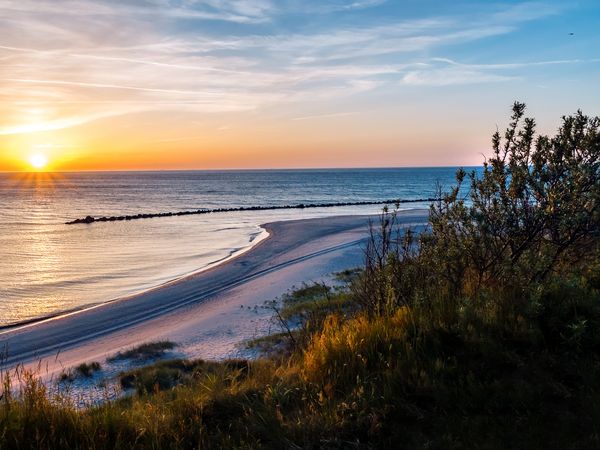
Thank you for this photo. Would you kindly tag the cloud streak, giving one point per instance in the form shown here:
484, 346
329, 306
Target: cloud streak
81, 61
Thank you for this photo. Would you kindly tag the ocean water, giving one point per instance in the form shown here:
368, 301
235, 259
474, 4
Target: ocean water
47, 267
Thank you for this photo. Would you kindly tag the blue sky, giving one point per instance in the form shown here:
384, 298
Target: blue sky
261, 83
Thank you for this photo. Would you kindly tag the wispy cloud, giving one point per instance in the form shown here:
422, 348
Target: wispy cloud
321, 116
81, 61
529, 10
112, 86
446, 72
59, 124
336, 6
246, 11
518, 65
451, 76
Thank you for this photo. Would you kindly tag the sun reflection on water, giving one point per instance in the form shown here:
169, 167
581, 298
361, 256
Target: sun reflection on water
33, 252
38, 180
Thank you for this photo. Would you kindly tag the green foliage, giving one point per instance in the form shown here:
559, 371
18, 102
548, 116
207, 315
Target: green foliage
302, 313
532, 211
348, 275
166, 375
271, 344
537, 201
313, 301
389, 381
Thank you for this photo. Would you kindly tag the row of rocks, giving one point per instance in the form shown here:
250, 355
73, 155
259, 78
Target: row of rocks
90, 219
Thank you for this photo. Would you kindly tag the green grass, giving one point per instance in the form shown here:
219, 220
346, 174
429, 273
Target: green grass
271, 344
348, 275
306, 292
150, 350
318, 306
166, 375
312, 302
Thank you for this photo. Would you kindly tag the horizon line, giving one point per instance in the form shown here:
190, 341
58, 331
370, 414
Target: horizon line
234, 169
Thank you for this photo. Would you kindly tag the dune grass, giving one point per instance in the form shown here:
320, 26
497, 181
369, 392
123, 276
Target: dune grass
88, 369
85, 370
313, 299
270, 344
146, 351
391, 381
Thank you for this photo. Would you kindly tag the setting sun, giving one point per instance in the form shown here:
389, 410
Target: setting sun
38, 161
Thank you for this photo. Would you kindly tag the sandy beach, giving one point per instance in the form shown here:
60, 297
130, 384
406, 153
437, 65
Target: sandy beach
207, 314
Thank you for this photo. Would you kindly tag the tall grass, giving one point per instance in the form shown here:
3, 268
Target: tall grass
387, 381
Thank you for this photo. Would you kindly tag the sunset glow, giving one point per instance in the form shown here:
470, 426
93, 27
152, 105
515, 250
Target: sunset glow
38, 161
265, 84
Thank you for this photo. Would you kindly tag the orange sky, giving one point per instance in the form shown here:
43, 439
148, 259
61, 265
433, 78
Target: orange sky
154, 143
103, 85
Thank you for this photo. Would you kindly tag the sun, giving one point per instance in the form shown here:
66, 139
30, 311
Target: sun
38, 161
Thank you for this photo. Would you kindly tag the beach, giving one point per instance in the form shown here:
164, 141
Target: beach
208, 314
48, 267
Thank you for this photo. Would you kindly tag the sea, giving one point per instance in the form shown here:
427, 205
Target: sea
48, 267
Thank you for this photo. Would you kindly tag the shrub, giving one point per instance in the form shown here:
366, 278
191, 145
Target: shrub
533, 210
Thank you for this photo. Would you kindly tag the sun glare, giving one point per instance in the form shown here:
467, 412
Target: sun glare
38, 161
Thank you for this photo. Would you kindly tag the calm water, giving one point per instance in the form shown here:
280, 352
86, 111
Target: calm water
47, 267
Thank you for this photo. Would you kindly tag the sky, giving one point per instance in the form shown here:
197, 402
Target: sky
232, 84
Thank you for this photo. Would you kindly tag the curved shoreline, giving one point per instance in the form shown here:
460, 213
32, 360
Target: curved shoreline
263, 236
294, 249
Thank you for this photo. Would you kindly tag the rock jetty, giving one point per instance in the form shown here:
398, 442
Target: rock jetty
90, 219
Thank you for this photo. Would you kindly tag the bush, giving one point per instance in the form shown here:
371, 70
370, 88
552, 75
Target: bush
533, 211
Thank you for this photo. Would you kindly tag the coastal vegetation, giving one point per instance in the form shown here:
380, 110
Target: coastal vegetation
148, 350
481, 332
85, 370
